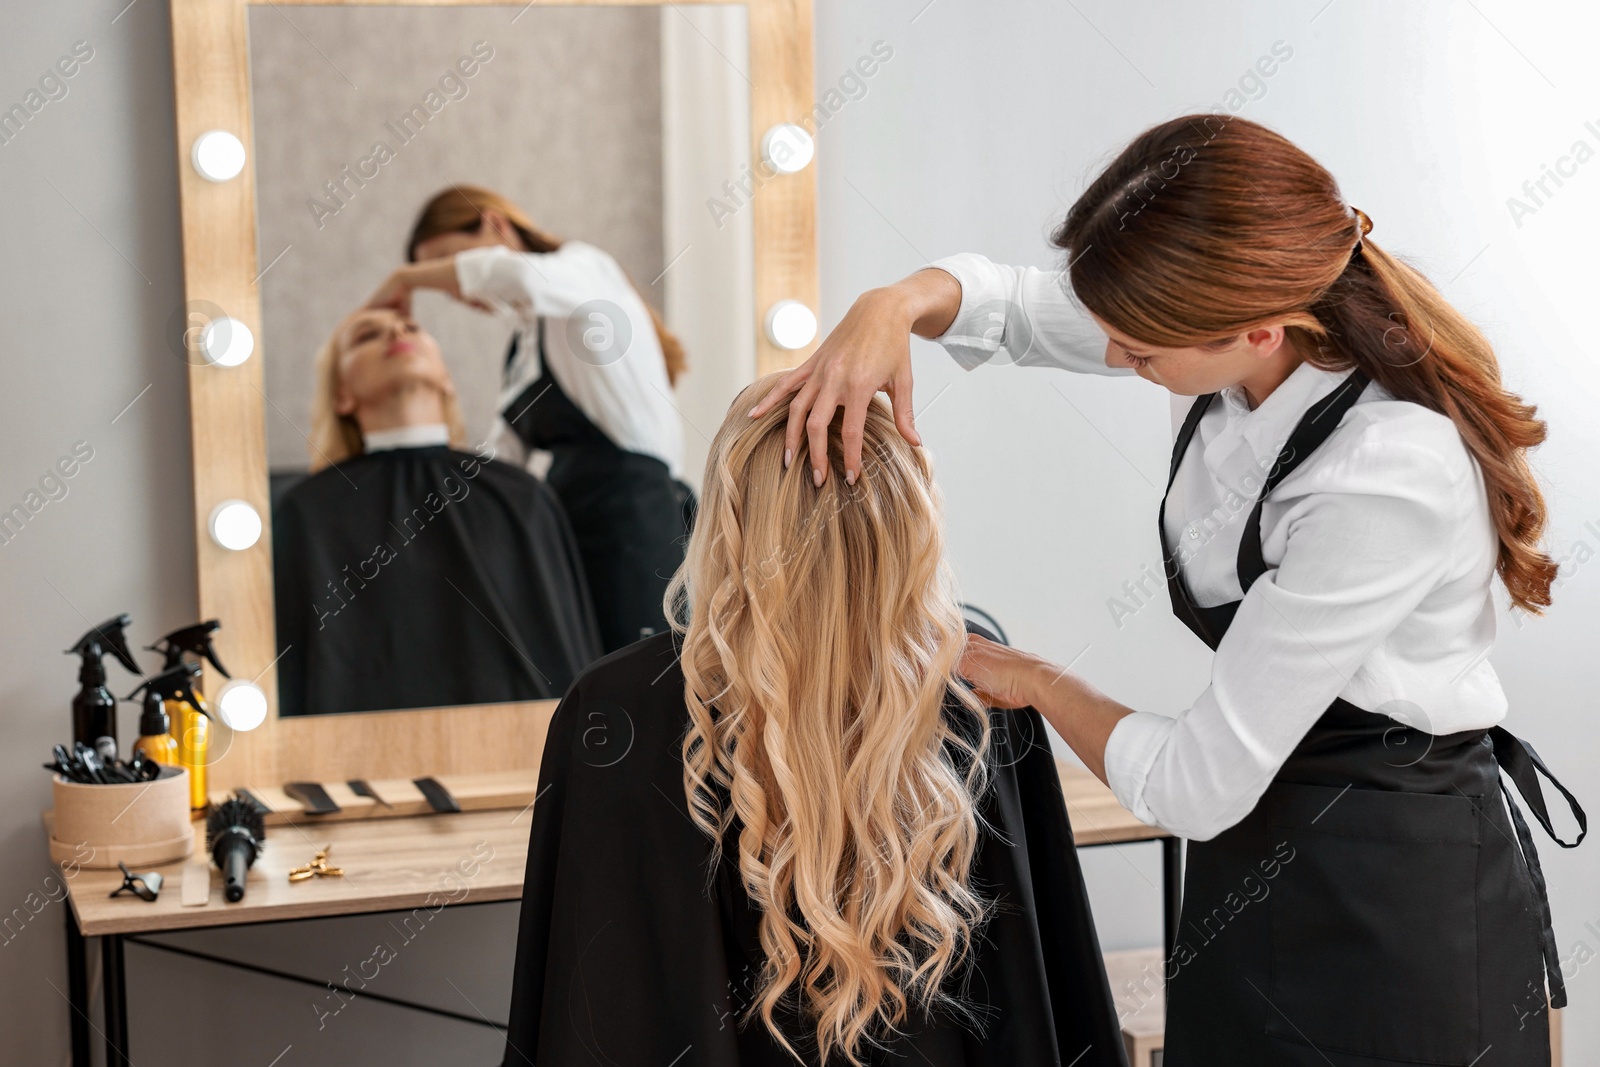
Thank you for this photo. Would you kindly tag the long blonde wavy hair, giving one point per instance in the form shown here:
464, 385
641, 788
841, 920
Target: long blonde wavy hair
334, 438
820, 647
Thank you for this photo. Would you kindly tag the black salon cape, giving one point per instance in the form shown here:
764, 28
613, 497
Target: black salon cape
453, 581
625, 960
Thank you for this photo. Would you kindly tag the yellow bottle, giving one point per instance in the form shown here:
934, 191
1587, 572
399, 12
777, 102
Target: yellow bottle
186, 707
155, 738
191, 737
175, 728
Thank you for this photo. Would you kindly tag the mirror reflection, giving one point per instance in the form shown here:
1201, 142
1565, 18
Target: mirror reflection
495, 310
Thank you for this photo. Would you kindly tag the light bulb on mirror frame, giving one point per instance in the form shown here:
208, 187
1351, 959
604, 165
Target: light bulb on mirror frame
226, 342
235, 525
241, 705
218, 156
787, 148
791, 325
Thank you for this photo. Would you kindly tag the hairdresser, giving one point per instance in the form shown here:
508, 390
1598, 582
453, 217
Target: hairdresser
1348, 487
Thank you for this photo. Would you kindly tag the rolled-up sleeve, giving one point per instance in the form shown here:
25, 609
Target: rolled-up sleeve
1019, 315
527, 285
1356, 562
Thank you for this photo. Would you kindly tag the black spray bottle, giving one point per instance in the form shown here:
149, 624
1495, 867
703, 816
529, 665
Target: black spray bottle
94, 709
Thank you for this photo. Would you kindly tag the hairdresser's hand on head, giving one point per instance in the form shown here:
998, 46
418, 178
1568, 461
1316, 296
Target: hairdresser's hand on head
870, 350
438, 274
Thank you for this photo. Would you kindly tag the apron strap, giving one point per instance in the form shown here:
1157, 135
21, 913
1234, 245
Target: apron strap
1318, 423
1180, 444
1183, 605
1518, 759
1523, 766
511, 352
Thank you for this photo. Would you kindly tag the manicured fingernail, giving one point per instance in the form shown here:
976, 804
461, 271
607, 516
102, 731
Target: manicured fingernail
788, 454
752, 413
849, 477
816, 477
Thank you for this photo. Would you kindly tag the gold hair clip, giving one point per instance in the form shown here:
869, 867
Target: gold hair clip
1363, 220
317, 868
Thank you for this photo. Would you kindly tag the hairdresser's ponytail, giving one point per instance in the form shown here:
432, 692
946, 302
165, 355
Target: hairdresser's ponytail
1207, 226
1383, 316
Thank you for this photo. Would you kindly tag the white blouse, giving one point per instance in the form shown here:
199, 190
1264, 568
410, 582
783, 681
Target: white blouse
598, 336
1380, 557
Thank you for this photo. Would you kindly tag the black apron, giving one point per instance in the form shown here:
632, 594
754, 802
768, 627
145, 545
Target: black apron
1379, 906
631, 518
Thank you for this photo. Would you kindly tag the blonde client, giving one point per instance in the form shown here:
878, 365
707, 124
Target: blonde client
408, 572
786, 831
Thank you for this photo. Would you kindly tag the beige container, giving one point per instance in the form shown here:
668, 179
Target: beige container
142, 824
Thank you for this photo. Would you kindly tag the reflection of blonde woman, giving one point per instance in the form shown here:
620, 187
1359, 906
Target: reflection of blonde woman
409, 573
787, 832
589, 380
380, 373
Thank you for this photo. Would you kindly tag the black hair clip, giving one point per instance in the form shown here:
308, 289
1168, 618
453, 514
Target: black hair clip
146, 885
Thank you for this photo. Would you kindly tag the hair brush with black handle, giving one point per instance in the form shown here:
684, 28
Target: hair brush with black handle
235, 834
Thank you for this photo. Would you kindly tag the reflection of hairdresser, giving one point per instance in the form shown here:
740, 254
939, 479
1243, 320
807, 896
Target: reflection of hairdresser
588, 379
408, 573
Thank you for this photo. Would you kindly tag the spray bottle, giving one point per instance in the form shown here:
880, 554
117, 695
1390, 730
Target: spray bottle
94, 710
155, 725
191, 721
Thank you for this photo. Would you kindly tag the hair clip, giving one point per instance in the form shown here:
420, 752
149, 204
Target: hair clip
1363, 223
146, 885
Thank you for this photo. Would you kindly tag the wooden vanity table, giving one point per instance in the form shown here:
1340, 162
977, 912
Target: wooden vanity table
401, 865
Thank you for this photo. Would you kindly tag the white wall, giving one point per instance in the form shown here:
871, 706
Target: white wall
975, 135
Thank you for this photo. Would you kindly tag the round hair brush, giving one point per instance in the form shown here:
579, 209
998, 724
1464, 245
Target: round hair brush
234, 837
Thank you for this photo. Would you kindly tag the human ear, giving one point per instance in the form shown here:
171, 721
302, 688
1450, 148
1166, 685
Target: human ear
501, 226
1265, 341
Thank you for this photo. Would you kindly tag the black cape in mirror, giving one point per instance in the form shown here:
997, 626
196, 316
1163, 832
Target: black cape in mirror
425, 577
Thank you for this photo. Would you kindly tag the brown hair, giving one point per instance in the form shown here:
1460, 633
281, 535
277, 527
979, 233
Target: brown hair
1209, 225
460, 209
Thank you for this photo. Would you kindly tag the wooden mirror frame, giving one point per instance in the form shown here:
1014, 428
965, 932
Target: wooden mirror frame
211, 66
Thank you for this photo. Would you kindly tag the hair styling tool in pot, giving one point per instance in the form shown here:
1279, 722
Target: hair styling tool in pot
86, 767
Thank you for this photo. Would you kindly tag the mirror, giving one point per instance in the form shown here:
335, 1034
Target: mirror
473, 496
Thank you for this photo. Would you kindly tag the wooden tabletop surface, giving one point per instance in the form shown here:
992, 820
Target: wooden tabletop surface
421, 862
1096, 817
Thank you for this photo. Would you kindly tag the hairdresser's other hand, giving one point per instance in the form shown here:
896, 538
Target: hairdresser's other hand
870, 350
1001, 676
